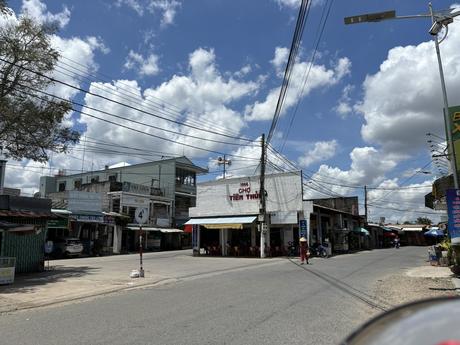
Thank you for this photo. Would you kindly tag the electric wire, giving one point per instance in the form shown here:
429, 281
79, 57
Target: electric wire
297, 38
122, 104
319, 35
160, 109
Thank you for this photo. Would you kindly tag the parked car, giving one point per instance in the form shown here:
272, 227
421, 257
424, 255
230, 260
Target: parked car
68, 246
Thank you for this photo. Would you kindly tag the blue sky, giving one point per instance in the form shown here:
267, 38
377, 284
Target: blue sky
372, 94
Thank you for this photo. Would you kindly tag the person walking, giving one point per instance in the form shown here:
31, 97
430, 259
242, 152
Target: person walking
304, 254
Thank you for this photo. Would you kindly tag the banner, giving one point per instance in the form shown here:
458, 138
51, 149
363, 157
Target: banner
453, 211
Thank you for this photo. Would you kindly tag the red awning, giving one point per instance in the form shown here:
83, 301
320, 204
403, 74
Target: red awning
188, 228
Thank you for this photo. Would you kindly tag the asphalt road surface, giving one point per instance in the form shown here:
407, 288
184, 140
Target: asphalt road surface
274, 301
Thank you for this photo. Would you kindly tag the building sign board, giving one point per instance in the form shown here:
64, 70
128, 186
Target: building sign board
453, 211
57, 223
84, 201
134, 201
135, 188
303, 227
240, 196
87, 218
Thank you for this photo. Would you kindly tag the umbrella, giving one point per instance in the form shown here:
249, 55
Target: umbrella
434, 233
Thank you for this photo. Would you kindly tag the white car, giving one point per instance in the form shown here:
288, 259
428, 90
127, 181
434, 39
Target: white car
68, 246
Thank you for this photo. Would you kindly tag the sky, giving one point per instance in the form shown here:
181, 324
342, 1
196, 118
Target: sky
356, 113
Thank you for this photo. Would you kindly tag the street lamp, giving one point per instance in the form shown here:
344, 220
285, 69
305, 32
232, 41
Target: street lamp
439, 20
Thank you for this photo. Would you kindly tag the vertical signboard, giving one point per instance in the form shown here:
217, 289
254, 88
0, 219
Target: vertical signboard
454, 116
453, 211
303, 227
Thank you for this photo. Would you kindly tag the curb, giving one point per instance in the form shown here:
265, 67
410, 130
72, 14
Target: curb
456, 282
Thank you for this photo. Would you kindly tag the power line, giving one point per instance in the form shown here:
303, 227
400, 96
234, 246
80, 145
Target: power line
160, 108
145, 133
123, 104
301, 18
319, 35
135, 121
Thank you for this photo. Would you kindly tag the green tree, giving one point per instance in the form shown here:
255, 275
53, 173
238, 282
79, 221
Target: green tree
424, 220
30, 122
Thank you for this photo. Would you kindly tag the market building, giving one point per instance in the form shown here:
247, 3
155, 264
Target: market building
225, 219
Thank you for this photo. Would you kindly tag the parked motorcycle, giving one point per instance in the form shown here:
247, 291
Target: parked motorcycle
292, 249
318, 250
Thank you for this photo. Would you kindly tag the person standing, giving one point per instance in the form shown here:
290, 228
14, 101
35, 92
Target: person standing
304, 254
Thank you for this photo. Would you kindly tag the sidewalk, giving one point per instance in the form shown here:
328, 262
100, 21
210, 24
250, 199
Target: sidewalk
65, 283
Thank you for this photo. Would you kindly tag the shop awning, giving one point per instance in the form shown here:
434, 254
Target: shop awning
222, 222
149, 228
8, 226
361, 231
115, 214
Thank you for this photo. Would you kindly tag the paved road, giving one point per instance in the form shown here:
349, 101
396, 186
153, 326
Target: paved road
270, 302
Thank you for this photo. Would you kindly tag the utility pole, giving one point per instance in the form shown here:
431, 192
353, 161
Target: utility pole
224, 161
262, 211
365, 204
447, 119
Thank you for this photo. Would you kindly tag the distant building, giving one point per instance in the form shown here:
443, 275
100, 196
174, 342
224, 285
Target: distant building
173, 179
102, 203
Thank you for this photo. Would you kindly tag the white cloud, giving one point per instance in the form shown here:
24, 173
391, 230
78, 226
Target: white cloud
400, 203
202, 98
403, 100
78, 57
322, 150
368, 167
280, 59
147, 66
344, 106
167, 8
320, 76
37, 10
243, 71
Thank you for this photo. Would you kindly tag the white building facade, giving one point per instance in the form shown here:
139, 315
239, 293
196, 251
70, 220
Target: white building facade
225, 218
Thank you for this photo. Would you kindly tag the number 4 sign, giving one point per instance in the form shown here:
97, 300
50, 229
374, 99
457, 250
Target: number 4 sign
141, 215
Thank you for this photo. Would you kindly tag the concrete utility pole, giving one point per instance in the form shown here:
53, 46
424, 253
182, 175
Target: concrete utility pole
224, 161
262, 211
365, 204
439, 20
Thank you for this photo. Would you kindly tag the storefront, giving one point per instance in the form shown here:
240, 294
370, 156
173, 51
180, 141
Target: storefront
154, 239
225, 220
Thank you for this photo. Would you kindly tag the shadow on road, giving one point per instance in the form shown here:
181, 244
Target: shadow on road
29, 283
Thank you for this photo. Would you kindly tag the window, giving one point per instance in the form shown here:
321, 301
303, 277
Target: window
77, 183
94, 179
113, 178
61, 187
185, 177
